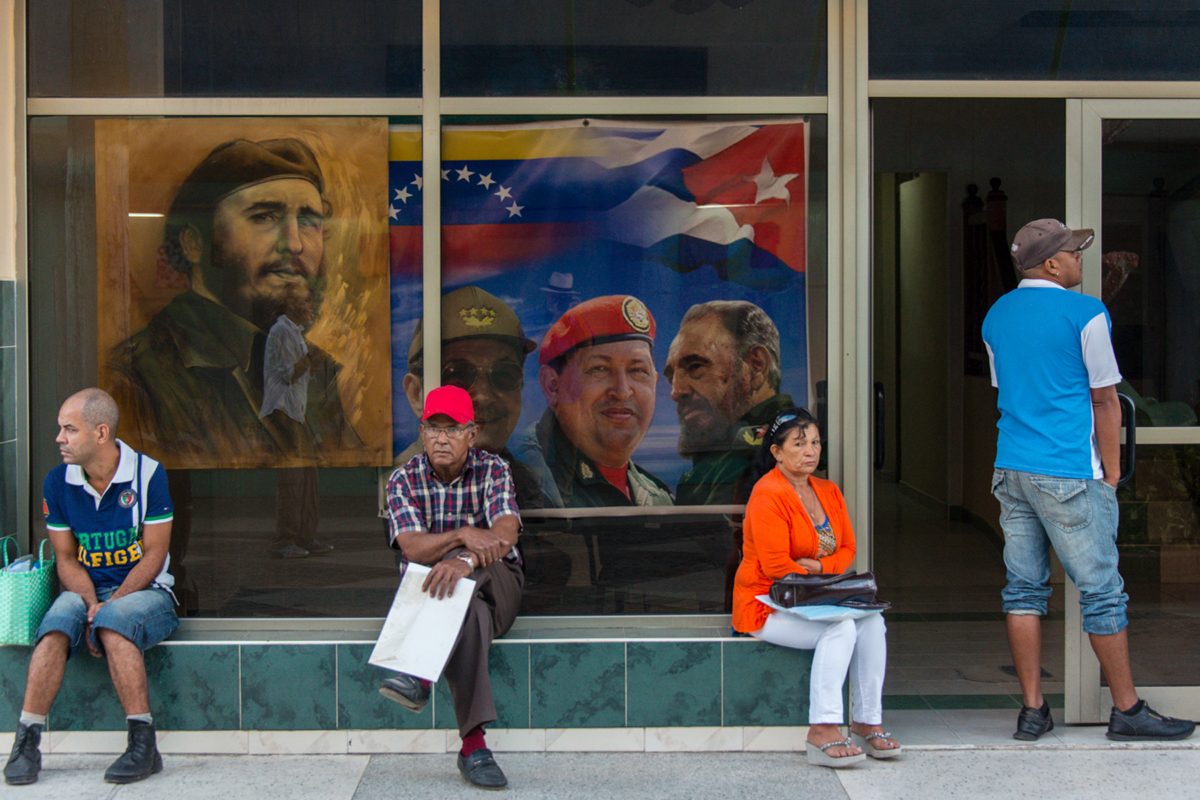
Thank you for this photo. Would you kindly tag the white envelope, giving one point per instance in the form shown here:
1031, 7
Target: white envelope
420, 631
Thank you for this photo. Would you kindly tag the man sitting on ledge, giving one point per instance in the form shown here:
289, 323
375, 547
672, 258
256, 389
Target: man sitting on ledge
454, 507
109, 516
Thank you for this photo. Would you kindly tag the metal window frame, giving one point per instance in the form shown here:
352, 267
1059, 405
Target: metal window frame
430, 107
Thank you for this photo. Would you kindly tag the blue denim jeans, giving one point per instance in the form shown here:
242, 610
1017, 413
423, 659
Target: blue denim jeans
1079, 519
144, 618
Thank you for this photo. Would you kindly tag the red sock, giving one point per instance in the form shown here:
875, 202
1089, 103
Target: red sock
473, 741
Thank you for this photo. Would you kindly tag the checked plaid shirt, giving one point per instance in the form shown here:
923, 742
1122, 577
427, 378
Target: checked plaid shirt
418, 500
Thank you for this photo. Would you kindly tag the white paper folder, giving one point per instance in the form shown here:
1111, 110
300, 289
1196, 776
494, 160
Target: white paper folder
420, 631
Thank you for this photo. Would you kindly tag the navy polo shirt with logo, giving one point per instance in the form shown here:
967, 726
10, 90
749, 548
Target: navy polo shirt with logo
106, 526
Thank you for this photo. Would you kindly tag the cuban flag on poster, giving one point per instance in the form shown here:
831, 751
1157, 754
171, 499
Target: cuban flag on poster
674, 214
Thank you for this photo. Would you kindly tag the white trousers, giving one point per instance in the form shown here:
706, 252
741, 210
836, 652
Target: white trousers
857, 647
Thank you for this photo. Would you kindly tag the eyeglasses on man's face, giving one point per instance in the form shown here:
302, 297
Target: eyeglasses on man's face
434, 432
504, 376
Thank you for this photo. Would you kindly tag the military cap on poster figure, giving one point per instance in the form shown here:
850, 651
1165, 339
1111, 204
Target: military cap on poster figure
483, 351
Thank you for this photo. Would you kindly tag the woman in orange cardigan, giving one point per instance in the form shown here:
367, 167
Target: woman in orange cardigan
796, 522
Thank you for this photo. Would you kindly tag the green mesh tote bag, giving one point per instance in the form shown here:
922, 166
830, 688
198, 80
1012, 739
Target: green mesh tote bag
26, 589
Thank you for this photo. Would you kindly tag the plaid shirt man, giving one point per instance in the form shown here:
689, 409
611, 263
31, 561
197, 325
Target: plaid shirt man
418, 500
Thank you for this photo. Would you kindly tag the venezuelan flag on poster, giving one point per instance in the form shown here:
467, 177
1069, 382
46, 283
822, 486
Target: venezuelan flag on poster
545, 215
730, 196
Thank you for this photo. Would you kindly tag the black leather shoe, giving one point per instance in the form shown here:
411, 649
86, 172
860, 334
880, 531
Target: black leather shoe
480, 769
406, 690
26, 759
141, 758
1033, 722
1145, 724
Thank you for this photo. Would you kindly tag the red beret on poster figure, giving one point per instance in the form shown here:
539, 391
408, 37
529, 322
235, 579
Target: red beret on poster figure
612, 318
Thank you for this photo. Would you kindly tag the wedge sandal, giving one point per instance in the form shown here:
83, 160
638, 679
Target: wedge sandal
819, 757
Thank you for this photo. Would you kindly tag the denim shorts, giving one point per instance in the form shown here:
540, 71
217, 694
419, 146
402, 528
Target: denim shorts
1078, 518
144, 618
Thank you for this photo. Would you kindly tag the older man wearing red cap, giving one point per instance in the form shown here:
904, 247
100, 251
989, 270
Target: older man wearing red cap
598, 376
247, 228
454, 507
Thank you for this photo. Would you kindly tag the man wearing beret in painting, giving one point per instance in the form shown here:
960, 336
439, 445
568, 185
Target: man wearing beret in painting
597, 374
247, 227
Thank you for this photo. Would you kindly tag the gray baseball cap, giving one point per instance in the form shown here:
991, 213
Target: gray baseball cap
1042, 238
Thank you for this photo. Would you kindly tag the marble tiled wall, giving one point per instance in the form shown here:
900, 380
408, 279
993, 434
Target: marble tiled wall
8, 408
577, 685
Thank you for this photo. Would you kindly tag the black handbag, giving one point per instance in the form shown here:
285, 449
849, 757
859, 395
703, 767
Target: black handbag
850, 589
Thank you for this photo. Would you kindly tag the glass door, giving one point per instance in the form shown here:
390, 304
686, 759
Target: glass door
1139, 188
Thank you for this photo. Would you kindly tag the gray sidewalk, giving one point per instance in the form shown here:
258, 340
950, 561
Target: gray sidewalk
949, 753
1062, 773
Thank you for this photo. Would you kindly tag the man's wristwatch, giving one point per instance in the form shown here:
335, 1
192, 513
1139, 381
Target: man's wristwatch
469, 559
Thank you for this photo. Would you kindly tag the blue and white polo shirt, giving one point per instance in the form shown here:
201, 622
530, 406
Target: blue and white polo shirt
1048, 348
106, 526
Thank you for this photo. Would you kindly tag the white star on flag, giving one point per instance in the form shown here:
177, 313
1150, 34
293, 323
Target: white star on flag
771, 185
445, 174
514, 210
403, 194
486, 181
418, 181
464, 174
393, 212
504, 194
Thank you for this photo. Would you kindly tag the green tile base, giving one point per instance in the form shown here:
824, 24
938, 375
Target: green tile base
300, 686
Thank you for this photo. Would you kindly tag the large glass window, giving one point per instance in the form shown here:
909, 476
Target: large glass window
634, 47
627, 301
1004, 40
175, 48
178, 263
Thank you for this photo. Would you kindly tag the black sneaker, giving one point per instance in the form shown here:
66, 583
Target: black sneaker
141, 758
408, 691
1144, 724
1033, 722
26, 759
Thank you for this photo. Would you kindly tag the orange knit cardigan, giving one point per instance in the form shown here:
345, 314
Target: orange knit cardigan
776, 532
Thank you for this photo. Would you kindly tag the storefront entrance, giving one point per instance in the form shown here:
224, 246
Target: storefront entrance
953, 181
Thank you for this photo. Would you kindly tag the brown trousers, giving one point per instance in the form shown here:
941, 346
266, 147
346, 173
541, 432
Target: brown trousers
297, 505
492, 612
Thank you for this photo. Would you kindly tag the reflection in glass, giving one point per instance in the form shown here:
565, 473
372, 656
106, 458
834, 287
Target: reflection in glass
227, 522
1025, 40
1150, 233
224, 48
636, 48
659, 271
1159, 540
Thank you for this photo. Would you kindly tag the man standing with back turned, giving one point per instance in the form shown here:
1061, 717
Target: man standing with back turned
1057, 466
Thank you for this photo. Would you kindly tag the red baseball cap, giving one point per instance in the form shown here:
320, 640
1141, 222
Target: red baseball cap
452, 401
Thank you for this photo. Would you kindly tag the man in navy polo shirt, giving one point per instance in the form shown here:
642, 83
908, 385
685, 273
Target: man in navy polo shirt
1056, 472
108, 515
